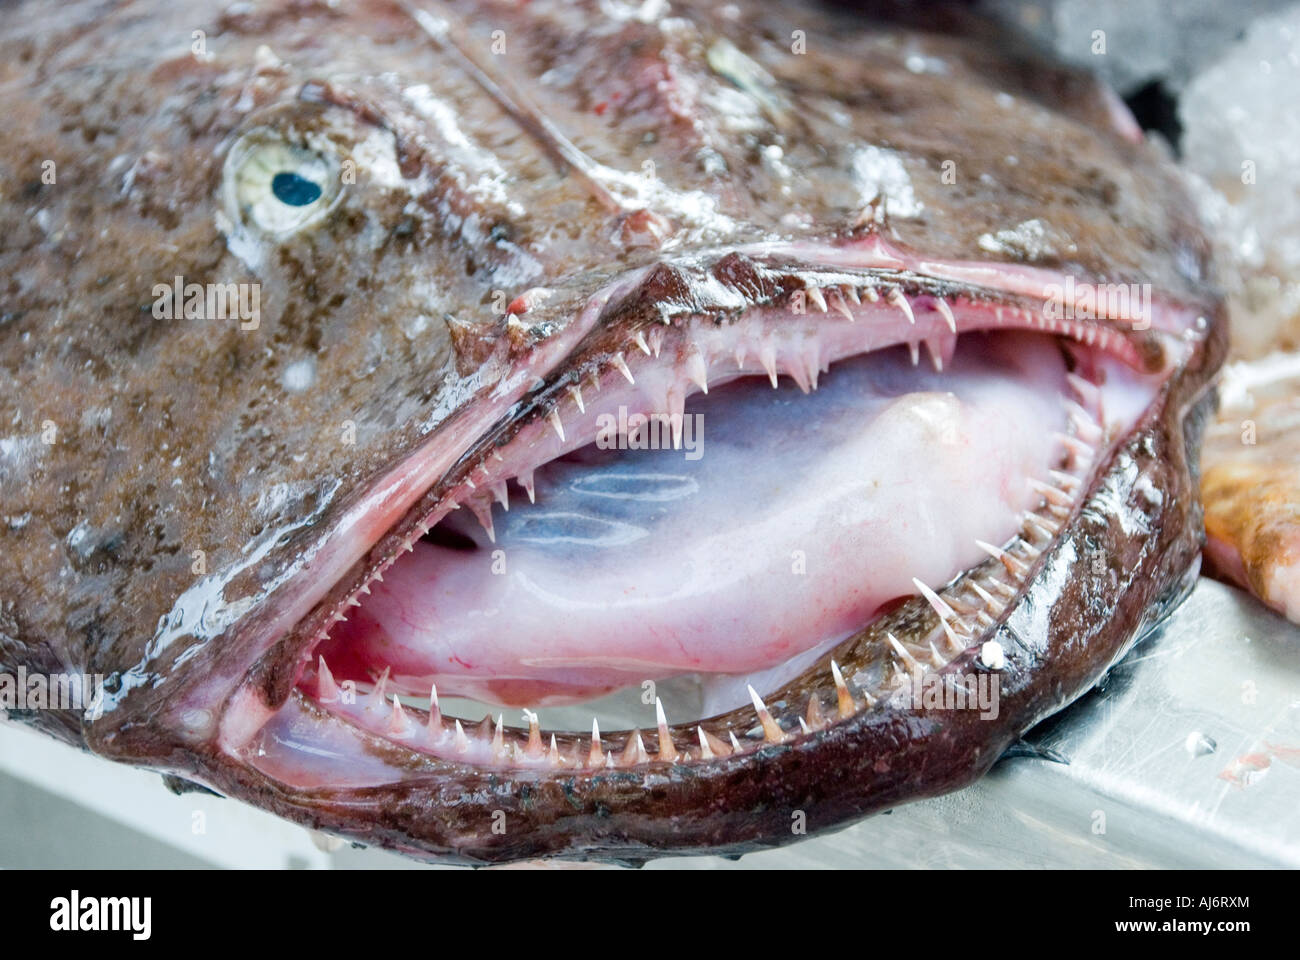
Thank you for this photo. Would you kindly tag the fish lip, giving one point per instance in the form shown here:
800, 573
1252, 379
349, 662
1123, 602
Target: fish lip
269, 685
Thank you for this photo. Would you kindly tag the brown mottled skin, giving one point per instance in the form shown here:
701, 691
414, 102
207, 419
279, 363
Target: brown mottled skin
176, 436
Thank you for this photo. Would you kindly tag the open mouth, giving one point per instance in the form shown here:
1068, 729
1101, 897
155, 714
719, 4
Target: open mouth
785, 515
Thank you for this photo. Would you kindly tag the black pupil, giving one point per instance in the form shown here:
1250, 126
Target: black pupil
291, 189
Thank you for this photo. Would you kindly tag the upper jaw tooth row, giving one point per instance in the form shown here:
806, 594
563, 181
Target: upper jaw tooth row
964, 610
702, 353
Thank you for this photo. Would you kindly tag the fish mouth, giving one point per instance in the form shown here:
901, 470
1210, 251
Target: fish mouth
890, 456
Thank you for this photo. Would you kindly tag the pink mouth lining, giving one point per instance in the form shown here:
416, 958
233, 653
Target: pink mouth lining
800, 519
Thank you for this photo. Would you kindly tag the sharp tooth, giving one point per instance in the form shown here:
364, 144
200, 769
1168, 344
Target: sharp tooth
534, 748
666, 749
955, 643
935, 349
945, 612
499, 738
815, 295
706, 751
1076, 446
870, 294
900, 651
1013, 566
799, 374
593, 379
461, 741
767, 357
575, 391
814, 714
803, 727
719, 748
897, 298
942, 609
596, 756
1084, 389
377, 696
814, 365
621, 365
735, 744
936, 658
640, 342
554, 754
852, 292
1087, 430
1003, 588
1050, 493
941, 305
656, 340
1079, 411
327, 691
1084, 424
844, 699
771, 729
837, 300
397, 722
435, 713
914, 349
483, 512
525, 480
675, 403
740, 357
1065, 480
698, 372
634, 752
554, 418
502, 494
990, 601
1039, 526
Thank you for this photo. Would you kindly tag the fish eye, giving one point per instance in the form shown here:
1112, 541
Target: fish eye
279, 186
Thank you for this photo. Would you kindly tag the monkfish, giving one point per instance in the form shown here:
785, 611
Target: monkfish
377, 374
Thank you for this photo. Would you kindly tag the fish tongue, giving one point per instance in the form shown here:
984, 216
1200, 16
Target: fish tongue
784, 524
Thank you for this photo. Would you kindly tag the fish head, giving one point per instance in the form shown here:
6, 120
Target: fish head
296, 288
